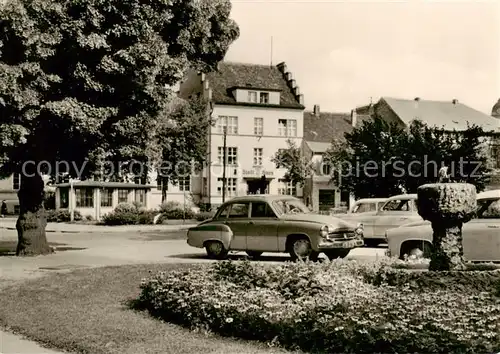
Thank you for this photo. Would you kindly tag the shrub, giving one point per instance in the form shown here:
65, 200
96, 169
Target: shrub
125, 208
326, 307
167, 207
89, 218
204, 215
146, 217
62, 215
121, 218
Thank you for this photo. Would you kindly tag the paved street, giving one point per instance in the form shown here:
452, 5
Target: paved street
92, 249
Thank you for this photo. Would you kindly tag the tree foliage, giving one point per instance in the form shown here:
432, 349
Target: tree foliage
85, 81
182, 140
292, 159
380, 159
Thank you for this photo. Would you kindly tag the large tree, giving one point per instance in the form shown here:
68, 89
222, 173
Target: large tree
298, 168
182, 141
84, 81
380, 159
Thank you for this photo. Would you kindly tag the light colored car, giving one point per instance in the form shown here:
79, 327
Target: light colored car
272, 223
396, 211
481, 235
367, 205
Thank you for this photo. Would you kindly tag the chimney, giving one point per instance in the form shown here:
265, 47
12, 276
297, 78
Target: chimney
296, 90
292, 83
282, 67
454, 101
316, 110
289, 76
354, 117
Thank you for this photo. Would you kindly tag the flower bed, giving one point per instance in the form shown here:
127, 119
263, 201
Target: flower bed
330, 307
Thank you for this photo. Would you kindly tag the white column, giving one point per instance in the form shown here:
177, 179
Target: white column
97, 203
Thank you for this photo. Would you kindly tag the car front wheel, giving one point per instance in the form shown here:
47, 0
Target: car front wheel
334, 254
301, 248
216, 250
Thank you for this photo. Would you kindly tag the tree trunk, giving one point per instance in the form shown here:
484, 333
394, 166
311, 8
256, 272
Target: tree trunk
447, 253
32, 220
164, 187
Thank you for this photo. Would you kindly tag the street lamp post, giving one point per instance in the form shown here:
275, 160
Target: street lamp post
71, 200
224, 148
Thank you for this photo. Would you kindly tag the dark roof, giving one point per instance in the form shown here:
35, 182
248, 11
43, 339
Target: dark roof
447, 114
232, 75
327, 127
98, 184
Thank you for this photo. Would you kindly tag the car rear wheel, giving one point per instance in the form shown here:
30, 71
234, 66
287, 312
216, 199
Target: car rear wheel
416, 249
254, 254
334, 254
300, 248
216, 250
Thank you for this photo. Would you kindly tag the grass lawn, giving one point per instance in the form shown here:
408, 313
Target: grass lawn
86, 311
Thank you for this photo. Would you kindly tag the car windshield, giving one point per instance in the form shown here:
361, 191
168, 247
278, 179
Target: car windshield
398, 205
488, 209
290, 206
365, 207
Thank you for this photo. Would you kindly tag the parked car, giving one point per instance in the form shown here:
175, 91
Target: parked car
396, 211
272, 223
481, 235
367, 205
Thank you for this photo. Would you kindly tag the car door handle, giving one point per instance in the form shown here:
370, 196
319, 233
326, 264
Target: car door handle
493, 226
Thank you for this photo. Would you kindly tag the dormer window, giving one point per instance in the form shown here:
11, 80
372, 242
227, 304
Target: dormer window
264, 97
252, 96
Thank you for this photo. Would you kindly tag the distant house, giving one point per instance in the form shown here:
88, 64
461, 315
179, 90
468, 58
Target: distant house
320, 129
95, 199
261, 107
8, 192
450, 115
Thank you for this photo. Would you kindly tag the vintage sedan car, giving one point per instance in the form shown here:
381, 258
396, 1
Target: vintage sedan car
274, 223
396, 211
367, 205
481, 235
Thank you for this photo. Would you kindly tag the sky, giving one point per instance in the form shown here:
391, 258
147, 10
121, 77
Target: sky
345, 53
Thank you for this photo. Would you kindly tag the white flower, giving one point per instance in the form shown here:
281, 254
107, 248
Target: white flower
229, 320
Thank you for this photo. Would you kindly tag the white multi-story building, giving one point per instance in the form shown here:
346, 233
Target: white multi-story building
261, 108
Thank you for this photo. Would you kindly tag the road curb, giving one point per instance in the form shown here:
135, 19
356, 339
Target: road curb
181, 227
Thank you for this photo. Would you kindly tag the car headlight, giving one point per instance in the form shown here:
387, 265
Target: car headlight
358, 231
325, 230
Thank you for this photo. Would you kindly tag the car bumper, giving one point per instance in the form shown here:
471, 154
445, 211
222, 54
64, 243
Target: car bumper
335, 244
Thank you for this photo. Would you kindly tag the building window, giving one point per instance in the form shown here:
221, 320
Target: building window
231, 155
230, 122
264, 97
287, 188
185, 184
159, 184
122, 196
106, 197
140, 196
84, 197
257, 156
230, 186
287, 127
258, 126
16, 181
326, 169
252, 96
64, 198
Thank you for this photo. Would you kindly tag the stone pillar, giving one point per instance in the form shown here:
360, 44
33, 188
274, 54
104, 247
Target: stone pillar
447, 206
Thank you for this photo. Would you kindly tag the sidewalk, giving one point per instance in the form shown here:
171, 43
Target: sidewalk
10, 224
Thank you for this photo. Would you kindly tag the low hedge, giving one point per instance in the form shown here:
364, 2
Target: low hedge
62, 216
330, 307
